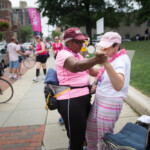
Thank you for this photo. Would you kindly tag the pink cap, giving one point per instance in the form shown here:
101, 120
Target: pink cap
74, 33
56, 38
108, 39
37, 36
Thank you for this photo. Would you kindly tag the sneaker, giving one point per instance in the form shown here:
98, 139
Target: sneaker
19, 77
10, 77
61, 120
36, 79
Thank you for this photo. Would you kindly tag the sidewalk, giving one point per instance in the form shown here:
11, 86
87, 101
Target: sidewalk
24, 122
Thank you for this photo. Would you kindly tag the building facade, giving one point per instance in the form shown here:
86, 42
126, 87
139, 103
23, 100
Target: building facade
6, 13
20, 15
126, 30
16, 17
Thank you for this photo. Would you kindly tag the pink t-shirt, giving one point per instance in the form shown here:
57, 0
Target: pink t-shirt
57, 47
66, 77
39, 48
12, 49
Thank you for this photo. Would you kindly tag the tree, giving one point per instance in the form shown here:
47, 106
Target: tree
143, 14
1, 36
4, 26
79, 13
25, 33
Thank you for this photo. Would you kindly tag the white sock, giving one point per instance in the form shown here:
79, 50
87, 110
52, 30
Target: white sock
15, 75
10, 75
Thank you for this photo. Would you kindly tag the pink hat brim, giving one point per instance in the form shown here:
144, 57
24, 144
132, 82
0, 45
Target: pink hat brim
80, 38
104, 44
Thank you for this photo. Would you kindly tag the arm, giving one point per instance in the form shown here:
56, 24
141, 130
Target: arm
53, 50
117, 79
20, 52
8, 55
61, 46
93, 71
74, 65
31, 47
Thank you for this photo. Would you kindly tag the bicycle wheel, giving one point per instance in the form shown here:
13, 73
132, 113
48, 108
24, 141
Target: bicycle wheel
6, 91
29, 62
1, 69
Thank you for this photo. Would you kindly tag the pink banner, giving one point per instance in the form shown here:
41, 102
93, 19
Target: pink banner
35, 20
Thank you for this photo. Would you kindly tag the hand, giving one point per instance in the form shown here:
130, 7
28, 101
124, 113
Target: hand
24, 54
31, 47
93, 89
35, 53
100, 57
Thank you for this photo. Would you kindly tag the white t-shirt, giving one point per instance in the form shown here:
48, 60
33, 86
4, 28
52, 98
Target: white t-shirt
47, 45
121, 65
12, 49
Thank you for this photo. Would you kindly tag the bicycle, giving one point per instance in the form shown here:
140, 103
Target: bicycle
29, 60
6, 90
1, 69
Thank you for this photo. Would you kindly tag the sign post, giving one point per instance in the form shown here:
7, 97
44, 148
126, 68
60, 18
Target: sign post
100, 26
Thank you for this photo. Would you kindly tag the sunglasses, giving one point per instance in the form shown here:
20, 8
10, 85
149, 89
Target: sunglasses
78, 42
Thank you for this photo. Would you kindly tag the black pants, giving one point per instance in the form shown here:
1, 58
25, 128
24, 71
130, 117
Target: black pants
77, 109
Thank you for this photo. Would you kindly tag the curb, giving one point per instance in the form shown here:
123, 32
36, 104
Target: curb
138, 101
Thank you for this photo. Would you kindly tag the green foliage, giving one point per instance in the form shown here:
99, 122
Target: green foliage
48, 39
1, 36
144, 12
55, 33
25, 33
79, 13
4, 25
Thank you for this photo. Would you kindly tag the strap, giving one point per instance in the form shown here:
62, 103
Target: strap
76, 87
47, 100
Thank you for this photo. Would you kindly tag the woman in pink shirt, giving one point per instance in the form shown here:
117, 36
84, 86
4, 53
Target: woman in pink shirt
56, 47
73, 70
41, 57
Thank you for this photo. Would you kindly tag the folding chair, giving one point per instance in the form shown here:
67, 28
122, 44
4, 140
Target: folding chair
131, 137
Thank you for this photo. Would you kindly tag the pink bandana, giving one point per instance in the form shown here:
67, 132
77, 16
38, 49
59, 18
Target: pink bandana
67, 49
102, 69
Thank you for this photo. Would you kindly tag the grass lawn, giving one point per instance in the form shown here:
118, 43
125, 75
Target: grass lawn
140, 66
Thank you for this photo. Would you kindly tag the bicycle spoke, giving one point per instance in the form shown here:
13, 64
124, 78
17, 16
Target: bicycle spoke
6, 91
29, 62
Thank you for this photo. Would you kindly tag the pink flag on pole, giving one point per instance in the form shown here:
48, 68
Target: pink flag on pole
35, 21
